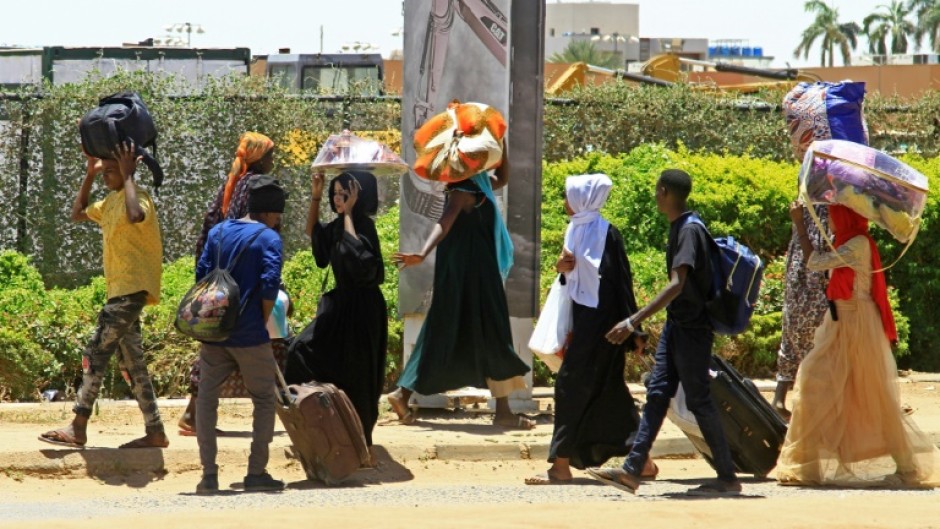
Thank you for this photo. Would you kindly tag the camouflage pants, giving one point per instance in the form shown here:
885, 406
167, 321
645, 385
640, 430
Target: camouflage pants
118, 331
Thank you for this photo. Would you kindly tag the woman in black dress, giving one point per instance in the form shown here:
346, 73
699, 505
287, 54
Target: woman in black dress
345, 344
595, 415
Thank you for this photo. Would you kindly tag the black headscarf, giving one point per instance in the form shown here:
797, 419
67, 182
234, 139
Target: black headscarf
367, 205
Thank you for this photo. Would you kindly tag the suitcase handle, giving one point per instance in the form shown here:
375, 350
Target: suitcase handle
284, 390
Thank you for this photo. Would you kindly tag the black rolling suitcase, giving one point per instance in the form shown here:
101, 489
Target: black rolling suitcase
755, 433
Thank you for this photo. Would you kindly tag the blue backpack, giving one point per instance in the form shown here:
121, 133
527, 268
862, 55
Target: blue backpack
736, 278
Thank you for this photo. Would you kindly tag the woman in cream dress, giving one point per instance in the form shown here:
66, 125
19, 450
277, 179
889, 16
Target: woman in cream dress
847, 427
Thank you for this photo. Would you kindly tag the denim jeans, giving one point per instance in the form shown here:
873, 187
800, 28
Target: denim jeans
683, 355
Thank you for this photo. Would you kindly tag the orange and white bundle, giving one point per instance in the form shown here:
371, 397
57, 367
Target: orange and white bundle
460, 142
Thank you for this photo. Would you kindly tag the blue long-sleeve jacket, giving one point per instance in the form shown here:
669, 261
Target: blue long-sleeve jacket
257, 272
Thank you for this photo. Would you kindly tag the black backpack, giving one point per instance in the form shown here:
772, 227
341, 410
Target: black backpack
120, 117
210, 310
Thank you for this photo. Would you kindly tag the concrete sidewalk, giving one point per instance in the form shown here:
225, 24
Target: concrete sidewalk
464, 435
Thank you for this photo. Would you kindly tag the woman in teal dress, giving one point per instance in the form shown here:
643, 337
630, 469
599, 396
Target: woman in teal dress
466, 338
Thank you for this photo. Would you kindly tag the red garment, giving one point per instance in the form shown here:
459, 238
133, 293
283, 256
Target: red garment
847, 224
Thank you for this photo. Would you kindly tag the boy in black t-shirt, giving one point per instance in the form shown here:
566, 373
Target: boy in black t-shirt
684, 350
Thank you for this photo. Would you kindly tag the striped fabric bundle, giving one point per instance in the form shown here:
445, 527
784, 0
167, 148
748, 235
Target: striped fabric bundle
459, 143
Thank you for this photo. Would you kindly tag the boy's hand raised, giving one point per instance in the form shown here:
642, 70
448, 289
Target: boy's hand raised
126, 157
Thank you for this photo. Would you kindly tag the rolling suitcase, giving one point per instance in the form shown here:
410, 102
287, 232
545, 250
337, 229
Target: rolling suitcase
754, 431
324, 429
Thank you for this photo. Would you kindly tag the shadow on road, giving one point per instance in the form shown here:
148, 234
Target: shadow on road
388, 471
135, 468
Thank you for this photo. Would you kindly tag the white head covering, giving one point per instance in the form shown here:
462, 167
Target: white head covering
586, 235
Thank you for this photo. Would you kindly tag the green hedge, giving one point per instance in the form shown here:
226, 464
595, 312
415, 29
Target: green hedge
44, 331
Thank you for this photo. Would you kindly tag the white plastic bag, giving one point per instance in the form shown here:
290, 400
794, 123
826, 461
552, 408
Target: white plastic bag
550, 336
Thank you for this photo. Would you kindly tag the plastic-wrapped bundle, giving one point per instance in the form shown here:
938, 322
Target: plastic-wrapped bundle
460, 142
348, 152
873, 184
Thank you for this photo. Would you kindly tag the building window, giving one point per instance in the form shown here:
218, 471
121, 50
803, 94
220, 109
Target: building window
551, 32
595, 31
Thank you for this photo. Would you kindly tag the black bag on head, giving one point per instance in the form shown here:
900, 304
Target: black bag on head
120, 117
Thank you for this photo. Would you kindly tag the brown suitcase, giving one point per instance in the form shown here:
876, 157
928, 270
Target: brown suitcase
324, 429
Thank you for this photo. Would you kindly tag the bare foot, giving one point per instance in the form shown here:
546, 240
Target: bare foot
373, 461
68, 436
151, 440
650, 470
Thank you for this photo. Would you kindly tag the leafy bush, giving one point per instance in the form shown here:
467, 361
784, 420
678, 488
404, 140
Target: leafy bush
22, 366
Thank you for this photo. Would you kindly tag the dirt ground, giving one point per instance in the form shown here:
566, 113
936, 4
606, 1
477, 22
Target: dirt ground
419, 493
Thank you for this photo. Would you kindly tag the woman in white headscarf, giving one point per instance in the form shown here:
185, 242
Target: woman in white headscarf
595, 415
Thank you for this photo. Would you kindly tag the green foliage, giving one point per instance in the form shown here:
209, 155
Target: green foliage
916, 279
617, 118
585, 51
17, 271
831, 32
20, 362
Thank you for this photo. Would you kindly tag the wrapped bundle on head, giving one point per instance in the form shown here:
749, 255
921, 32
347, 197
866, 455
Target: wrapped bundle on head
824, 111
875, 185
459, 143
348, 152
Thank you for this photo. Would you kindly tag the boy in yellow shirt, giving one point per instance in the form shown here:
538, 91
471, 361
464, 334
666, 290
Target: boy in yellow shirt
133, 255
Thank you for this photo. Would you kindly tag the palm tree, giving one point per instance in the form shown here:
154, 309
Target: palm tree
889, 24
585, 51
928, 22
831, 33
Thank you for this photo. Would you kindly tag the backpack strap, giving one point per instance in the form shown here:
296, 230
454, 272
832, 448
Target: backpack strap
232, 264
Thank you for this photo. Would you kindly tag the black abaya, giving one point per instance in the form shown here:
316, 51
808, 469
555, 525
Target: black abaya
595, 415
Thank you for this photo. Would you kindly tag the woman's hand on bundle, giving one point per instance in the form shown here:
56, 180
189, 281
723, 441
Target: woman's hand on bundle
565, 262
316, 185
404, 260
796, 212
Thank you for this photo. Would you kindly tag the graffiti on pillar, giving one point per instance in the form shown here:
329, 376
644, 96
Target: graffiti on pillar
454, 49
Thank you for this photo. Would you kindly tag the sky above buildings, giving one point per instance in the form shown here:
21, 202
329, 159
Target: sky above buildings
266, 26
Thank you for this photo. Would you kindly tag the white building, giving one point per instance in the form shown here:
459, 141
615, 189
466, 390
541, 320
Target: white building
612, 27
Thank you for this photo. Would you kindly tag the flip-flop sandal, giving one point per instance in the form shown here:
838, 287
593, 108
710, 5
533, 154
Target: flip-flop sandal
599, 475
61, 439
546, 478
405, 413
